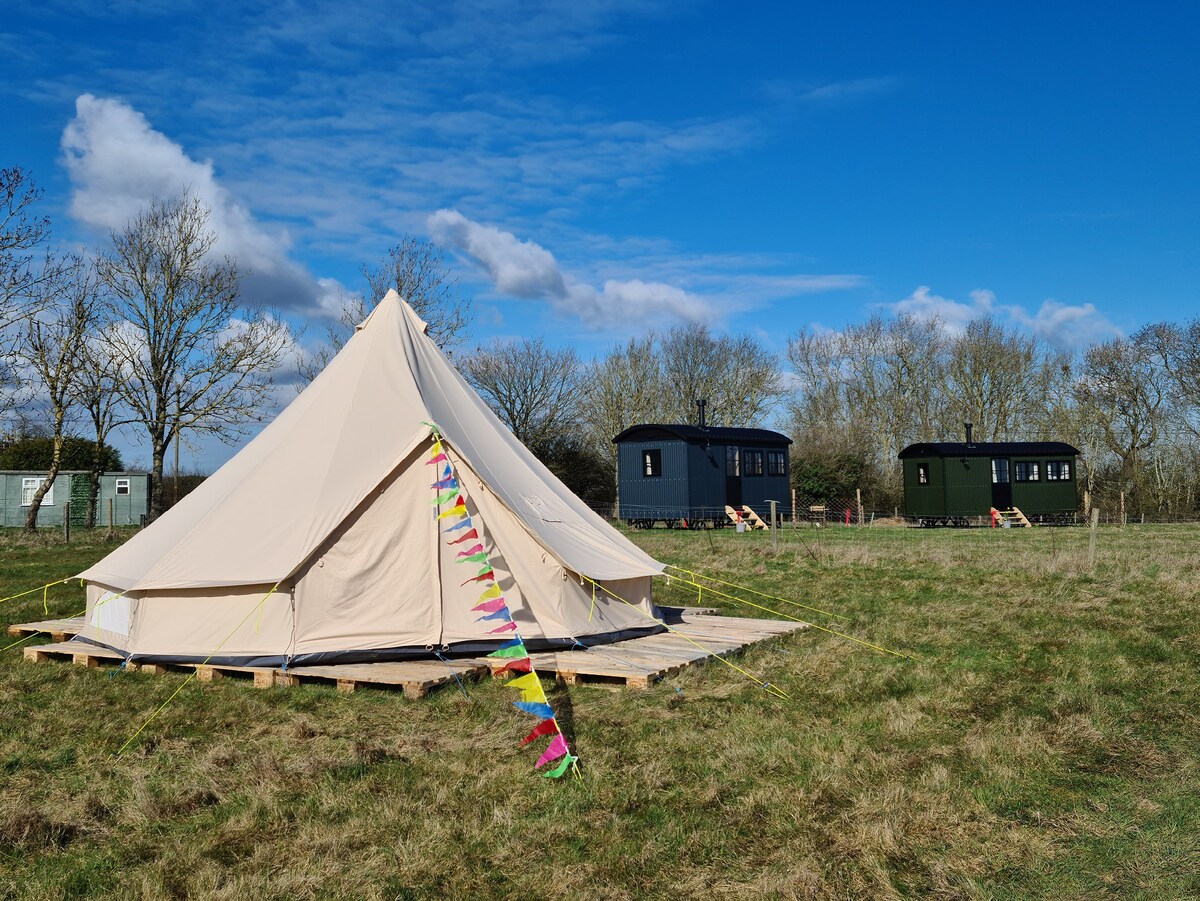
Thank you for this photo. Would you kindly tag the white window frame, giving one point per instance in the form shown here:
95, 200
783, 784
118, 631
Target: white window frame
121, 483
29, 487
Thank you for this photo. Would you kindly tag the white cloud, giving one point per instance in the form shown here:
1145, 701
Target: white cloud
1063, 325
118, 163
527, 270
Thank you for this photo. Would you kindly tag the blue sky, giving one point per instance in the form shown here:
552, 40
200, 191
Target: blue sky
599, 169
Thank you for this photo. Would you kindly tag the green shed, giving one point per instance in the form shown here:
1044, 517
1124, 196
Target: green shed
127, 494
951, 483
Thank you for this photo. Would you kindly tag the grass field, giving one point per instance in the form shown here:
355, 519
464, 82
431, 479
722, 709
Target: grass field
1043, 744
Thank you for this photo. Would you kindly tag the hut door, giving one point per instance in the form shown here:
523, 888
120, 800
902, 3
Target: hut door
733, 477
1001, 484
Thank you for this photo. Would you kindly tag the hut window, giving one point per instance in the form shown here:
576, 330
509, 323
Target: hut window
122, 486
733, 463
29, 487
1058, 471
754, 462
1026, 471
652, 463
923, 473
999, 472
776, 465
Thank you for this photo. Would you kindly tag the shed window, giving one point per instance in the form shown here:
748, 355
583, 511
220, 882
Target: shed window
999, 472
754, 462
29, 487
122, 486
1026, 471
776, 463
733, 463
1058, 471
922, 473
652, 463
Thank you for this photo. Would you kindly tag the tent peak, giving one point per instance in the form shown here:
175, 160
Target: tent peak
390, 300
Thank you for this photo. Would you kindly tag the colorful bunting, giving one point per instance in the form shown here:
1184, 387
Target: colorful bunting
541, 711
557, 748
561, 769
492, 606
545, 727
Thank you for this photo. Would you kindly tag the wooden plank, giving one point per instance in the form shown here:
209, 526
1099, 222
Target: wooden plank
58, 629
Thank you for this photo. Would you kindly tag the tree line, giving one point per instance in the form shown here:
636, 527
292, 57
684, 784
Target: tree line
151, 332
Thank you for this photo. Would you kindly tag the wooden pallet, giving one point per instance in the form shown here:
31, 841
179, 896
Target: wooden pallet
636, 663
414, 677
641, 662
57, 629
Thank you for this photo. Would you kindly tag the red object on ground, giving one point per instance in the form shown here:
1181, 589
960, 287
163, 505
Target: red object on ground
847, 516
995, 516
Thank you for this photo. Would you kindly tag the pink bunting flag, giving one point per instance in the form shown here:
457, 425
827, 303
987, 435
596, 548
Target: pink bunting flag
507, 627
472, 550
438, 459
490, 606
557, 748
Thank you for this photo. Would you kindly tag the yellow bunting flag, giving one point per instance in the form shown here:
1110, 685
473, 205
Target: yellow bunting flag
531, 688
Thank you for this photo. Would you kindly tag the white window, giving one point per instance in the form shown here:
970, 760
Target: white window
29, 487
122, 486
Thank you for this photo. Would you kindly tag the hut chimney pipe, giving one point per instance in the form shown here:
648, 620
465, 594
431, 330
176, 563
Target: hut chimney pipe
701, 404
968, 425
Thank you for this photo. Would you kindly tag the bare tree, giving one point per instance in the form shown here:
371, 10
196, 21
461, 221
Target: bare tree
532, 387
50, 350
737, 375
21, 231
417, 271
190, 356
98, 397
994, 379
622, 389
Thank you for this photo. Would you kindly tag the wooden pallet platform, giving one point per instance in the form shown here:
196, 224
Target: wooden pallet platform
641, 662
57, 629
414, 677
636, 663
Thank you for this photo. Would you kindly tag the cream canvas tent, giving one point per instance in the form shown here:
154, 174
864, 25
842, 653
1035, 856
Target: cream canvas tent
331, 506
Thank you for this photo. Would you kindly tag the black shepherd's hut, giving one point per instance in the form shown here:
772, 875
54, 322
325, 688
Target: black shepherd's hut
688, 474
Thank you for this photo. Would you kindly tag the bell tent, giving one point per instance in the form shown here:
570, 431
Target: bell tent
330, 514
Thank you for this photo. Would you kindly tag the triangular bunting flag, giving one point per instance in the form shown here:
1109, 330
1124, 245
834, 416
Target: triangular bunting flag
486, 576
492, 591
541, 711
435, 459
446, 497
445, 483
545, 727
491, 606
509, 650
509, 626
560, 770
523, 682
554, 750
465, 524
521, 665
502, 613
474, 549
466, 536
480, 557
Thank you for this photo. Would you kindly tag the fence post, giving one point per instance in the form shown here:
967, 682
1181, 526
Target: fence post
1122, 510
111, 530
1092, 538
774, 527
67, 522
793, 508
858, 504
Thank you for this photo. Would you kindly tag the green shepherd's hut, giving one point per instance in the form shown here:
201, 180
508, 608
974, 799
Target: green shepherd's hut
954, 483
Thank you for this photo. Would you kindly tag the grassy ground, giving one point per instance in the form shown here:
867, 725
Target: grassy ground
1044, 744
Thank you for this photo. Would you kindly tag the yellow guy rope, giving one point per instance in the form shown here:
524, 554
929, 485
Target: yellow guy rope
798, 620
42, 588
775, 690
761, 594
192, 675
